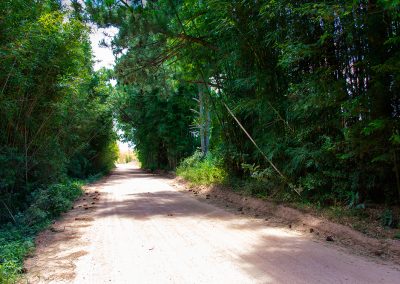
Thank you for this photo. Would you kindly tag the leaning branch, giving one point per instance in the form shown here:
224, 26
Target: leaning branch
197, 40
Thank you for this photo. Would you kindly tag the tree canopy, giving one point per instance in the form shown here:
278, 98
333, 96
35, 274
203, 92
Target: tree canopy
55, 118
313, 83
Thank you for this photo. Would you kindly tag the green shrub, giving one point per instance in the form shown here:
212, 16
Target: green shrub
50, 202
17, 239
12, 254
202, 170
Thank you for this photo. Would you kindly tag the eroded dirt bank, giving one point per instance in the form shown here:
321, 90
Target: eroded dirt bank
135, 227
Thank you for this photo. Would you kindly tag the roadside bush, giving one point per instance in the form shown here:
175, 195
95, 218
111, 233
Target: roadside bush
13, 249
250, 186
202, 170
17, 239
50, 202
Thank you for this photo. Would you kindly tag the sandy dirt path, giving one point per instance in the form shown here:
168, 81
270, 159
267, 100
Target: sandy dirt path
142, 230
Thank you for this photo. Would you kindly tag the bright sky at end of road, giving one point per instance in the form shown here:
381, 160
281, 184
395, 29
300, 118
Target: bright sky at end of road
104, 57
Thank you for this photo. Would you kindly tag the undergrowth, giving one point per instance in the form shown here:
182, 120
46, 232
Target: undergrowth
17, 237
249, 187
201, 170
378, 221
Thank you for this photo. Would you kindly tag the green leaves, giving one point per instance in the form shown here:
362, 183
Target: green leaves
202, 170
315, 83
158, 124
53, 106
395, 138
389, 4
373, 126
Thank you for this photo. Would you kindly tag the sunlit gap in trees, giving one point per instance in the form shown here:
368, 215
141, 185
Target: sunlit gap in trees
100, 39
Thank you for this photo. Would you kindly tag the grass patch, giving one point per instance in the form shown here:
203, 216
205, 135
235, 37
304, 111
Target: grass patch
201, 170
17, 238
15, 244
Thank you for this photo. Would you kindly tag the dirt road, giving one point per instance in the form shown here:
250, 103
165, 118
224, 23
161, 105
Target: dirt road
142, 230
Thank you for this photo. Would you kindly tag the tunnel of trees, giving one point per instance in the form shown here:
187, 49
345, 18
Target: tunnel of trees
303, 95
299, 93
300, 96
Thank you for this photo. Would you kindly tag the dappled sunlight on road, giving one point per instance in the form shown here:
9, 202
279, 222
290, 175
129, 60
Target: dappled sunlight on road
143, 230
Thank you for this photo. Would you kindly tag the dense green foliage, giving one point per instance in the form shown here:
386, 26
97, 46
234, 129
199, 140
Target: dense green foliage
16, 240
54, 114
56, 122
158, 123
301, 96
314, 83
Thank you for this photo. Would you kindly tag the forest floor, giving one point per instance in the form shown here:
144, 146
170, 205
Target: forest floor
135, 227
